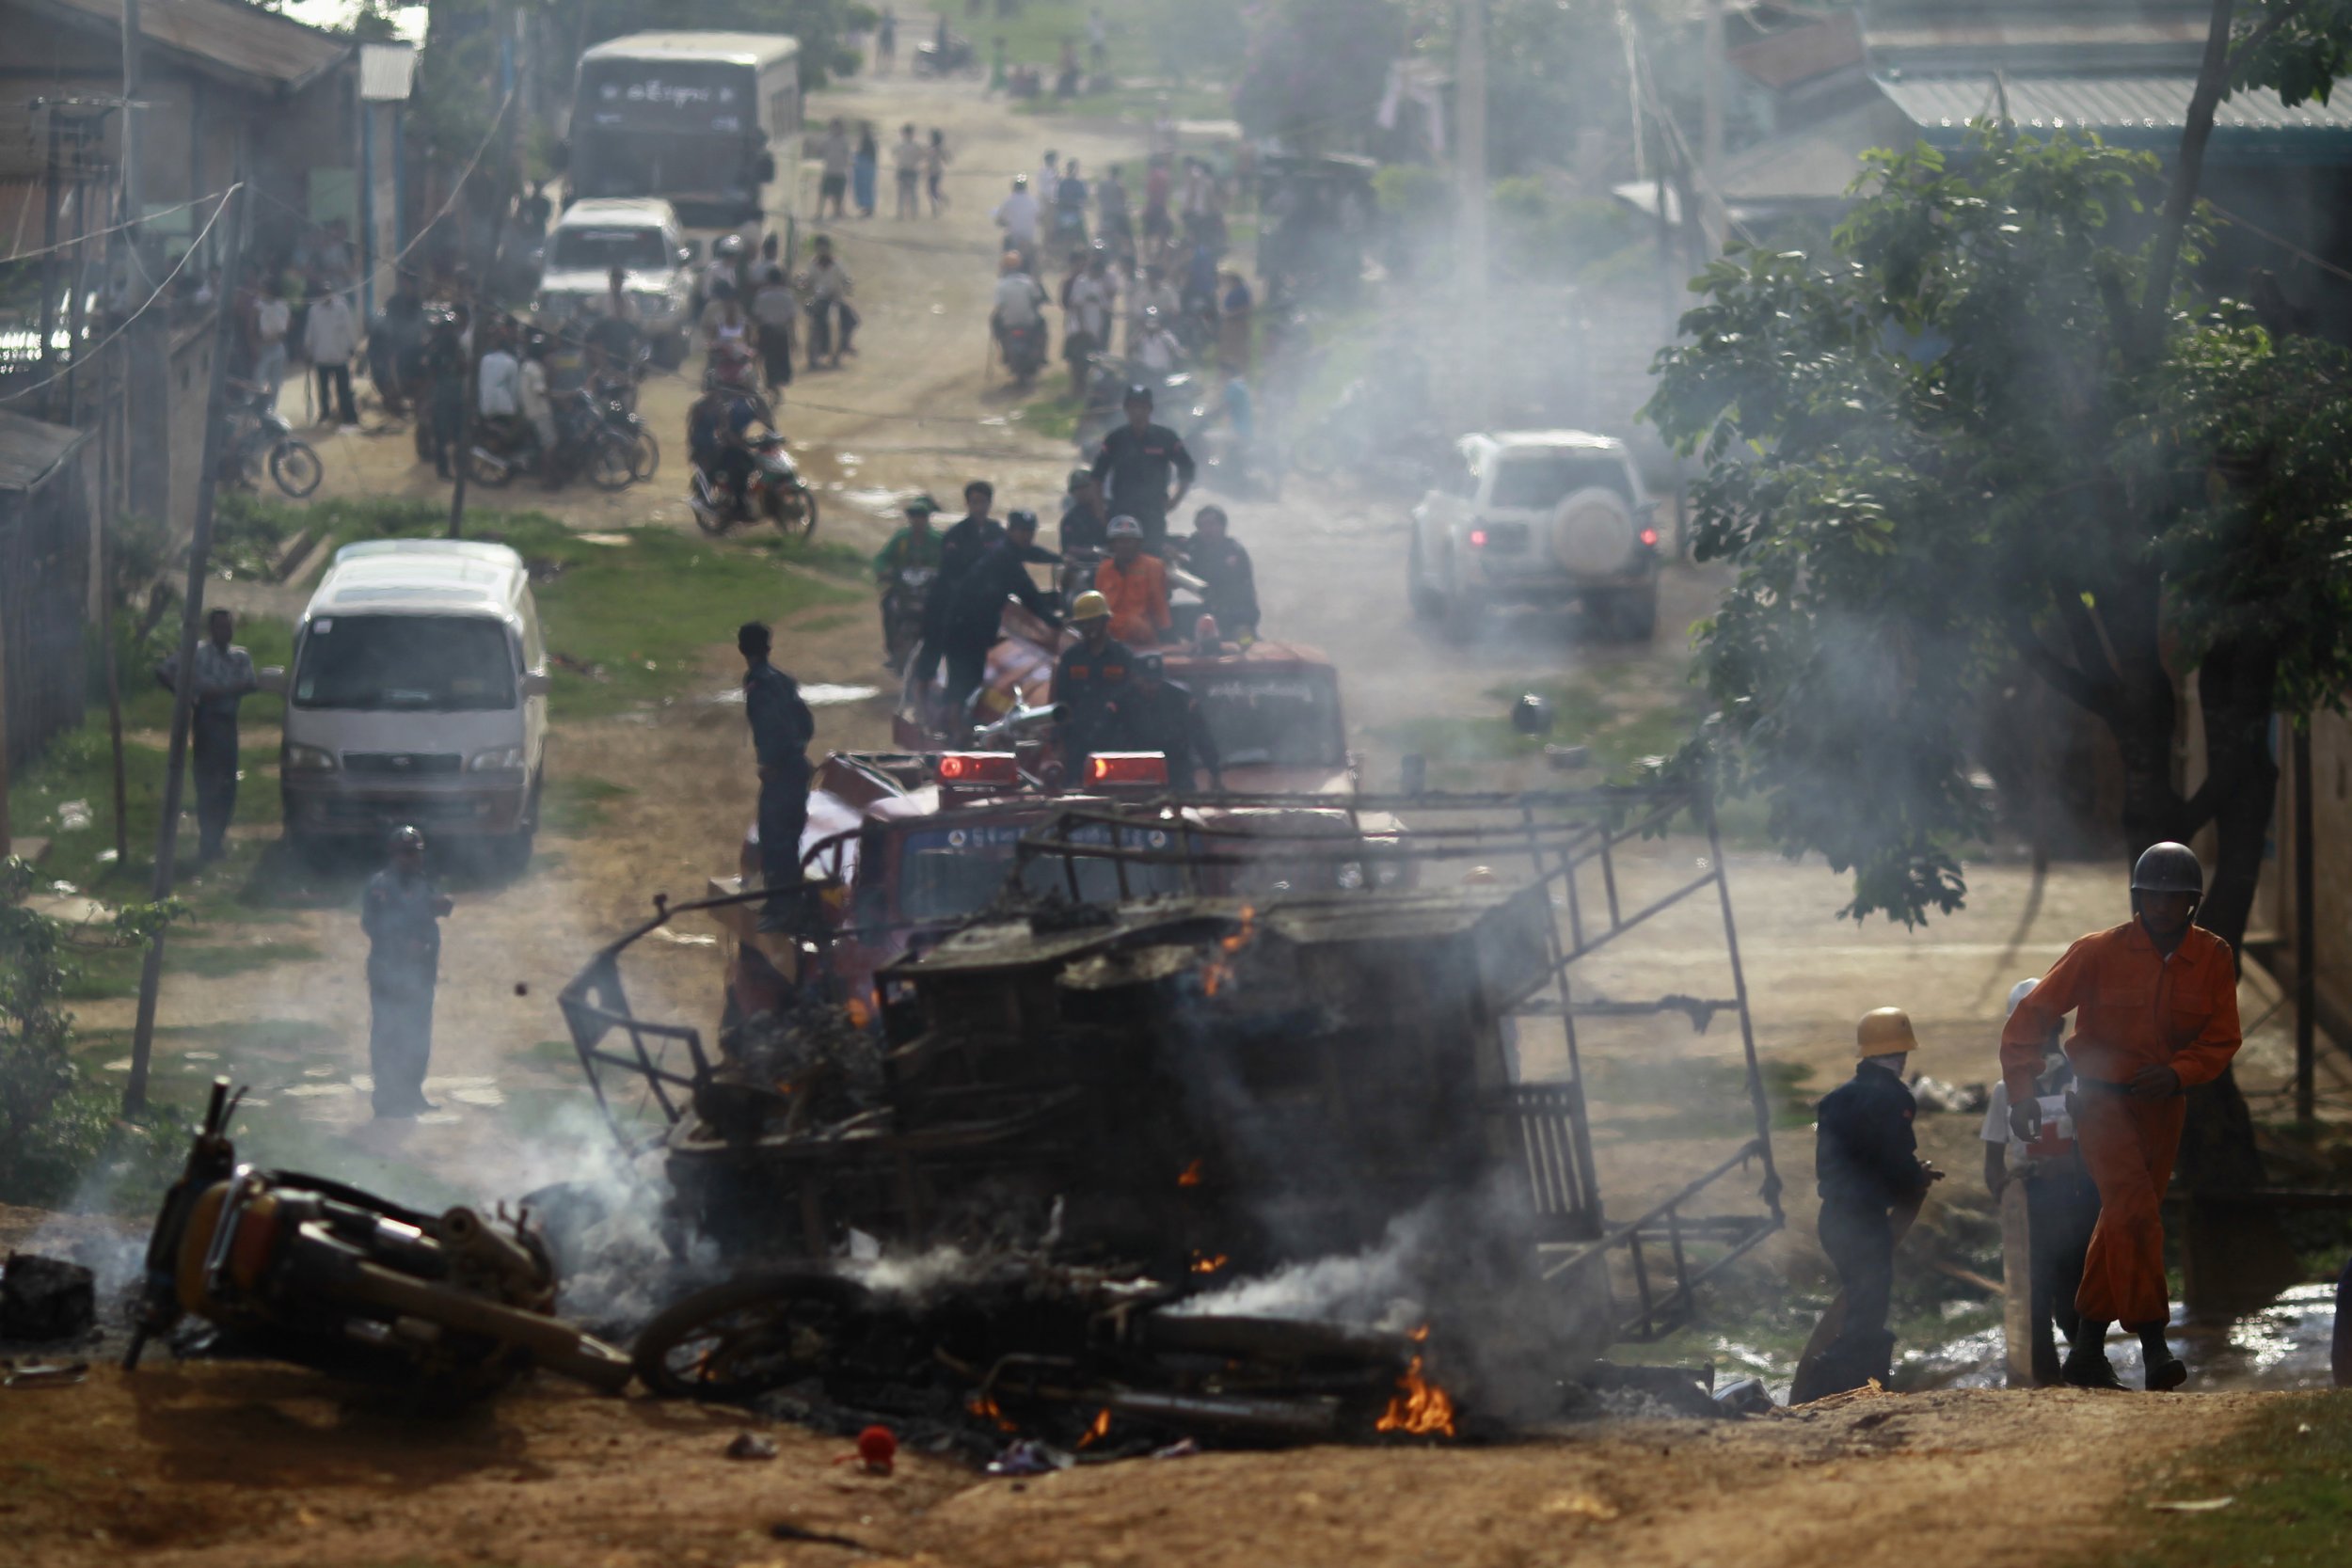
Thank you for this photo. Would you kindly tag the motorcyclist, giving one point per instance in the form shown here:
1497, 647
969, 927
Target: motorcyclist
1017, 217
1018, 298
915, 547
976, 613
725, 266
719, 427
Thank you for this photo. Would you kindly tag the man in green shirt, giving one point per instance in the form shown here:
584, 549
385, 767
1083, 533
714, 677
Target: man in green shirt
906, 568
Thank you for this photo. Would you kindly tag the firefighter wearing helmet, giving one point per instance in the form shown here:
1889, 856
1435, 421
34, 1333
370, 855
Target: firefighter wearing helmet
399, 912
1095, 677
1871, 1179
2155, 1014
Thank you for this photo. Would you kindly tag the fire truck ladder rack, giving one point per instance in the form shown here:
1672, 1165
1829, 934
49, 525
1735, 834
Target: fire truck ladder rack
1569, 839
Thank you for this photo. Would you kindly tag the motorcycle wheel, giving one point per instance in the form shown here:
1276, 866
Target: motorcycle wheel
487, 471
709, 517
295, 468
805, 526
611, 464
644, 455
1315, 454
747, 1336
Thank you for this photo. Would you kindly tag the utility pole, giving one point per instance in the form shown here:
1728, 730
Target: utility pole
2306, 928
191, 626
49, 256
1716, 218
147, 445
1469, 110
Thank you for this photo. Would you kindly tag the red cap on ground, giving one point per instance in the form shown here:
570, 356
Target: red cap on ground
878, 1446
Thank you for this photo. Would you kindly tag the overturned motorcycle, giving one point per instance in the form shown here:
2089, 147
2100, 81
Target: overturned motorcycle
303, 1269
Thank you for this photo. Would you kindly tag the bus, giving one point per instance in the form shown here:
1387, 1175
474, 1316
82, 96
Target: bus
709, 122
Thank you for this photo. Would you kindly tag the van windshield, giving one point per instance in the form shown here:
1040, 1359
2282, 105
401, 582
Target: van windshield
601, 249
423, 664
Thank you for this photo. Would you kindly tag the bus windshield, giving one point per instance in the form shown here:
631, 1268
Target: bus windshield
667, 128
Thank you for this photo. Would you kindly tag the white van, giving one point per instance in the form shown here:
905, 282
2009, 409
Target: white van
419, 694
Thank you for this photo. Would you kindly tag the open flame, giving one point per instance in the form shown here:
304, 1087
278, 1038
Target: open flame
1219, 971
860, 1014
985, 1407
1419, 1407
1100, 1430
1206, 1263
1189, 1175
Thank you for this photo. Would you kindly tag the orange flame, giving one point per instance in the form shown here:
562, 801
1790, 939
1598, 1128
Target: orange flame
1218, 970
985, 1407
1204, 1264
1191, 1175
1418, 1408
1100, 1430
859, 1013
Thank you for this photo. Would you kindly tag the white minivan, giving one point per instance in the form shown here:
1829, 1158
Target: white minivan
418, 694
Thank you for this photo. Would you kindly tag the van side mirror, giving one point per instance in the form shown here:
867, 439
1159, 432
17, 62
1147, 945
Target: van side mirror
537, 683
685, 255
693, 250
270, 679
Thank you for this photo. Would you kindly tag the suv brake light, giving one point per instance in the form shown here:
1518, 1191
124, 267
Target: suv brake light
1649, 537
1478, 538
1127, 768
979, 768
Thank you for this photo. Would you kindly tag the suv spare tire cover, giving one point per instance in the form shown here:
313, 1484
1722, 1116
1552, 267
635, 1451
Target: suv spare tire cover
1592, 531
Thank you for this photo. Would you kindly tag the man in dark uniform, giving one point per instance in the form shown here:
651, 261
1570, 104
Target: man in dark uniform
224, 676
1001, 573
1868, 1163
782, 727
400, 910
1135, 460
1163, 716
1229, 586
959, 549
1086, 517
1095, 678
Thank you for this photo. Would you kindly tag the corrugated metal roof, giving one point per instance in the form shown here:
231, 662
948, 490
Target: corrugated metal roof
236, 38
30, 448
387, 72
2131, 111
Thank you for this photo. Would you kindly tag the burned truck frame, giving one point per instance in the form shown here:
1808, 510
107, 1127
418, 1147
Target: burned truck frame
1215, 1085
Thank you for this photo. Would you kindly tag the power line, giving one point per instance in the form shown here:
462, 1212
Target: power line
124, 325
114, 227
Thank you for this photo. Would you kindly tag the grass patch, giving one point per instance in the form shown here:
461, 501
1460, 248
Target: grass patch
2286, 1469
1052, 412
574, 803
1621, 731
114, 971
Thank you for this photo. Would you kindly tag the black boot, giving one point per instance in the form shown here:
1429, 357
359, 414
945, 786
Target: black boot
2165, 1369
2087, 1365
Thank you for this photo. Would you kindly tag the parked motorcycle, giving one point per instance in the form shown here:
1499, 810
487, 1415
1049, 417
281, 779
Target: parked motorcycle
903, 602
615, 397
303, 1269
261, 441
585, 445
775, 493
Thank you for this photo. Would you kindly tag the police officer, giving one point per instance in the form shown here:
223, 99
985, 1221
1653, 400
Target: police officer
1086, 517
400, 910
1866, 1163
1135, 460
782, 728
1229, 585
1001, 573
224, 674
959, 548
1163, 716
1096, 678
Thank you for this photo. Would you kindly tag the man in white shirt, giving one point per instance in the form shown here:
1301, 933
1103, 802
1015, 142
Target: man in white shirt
272, 319
834, 182
1086, 319
1048, 174
1018, 296
1155, 294
329, 337
2061, 1201
532, 398
1161, 350
906, 166
499, 383
1017, 217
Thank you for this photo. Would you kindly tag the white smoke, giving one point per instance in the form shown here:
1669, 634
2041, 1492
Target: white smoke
1381, 1287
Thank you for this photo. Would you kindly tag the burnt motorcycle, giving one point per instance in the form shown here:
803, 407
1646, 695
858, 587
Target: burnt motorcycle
300, 1268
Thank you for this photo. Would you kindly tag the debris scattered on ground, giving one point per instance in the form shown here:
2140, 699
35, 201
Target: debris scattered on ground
2199, 1505
73, 815
43, 1374
1652, 1393
1029, 1457
1580, 1505
787, 1531
1746, 1396
43, 1299
878, 1450
807, 1066
752, 1445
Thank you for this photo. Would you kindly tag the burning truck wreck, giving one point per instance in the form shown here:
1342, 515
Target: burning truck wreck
1182, 1162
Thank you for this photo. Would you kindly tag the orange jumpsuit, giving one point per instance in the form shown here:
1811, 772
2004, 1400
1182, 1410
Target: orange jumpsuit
1138, 596
2134, 1008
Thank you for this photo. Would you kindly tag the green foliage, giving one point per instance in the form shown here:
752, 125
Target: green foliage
1415, 192
51, 1129
1934, 456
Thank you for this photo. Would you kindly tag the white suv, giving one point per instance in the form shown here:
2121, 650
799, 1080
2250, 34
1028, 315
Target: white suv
1536, 516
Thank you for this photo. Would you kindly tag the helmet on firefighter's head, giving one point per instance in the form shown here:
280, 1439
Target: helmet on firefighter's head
1089, 606
1124, 528
1884, 1032
2168, 868
405, 840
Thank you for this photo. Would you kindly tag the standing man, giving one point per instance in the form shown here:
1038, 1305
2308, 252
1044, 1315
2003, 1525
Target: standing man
1094, 678
1871, 1179
330, 337
959, 549
833, 183
401, 911
976, 614
2061, 1204
782, 727
1086, 517
832, 319
1086, 326
1229, 586
272, 318
2155, 1014
1165, 717
1135, 460
886, 40
224, 675
906, 168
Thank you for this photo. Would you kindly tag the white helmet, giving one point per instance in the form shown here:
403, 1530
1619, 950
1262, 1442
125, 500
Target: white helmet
1124, 528
2019, 992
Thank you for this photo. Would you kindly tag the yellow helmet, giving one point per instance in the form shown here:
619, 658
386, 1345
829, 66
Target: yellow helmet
1090, 606
1884, 1031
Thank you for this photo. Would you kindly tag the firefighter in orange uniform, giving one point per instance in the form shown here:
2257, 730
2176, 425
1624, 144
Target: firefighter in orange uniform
1135, 586
2155, 1005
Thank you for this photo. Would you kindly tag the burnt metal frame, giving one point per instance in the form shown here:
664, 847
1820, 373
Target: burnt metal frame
1561, 833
